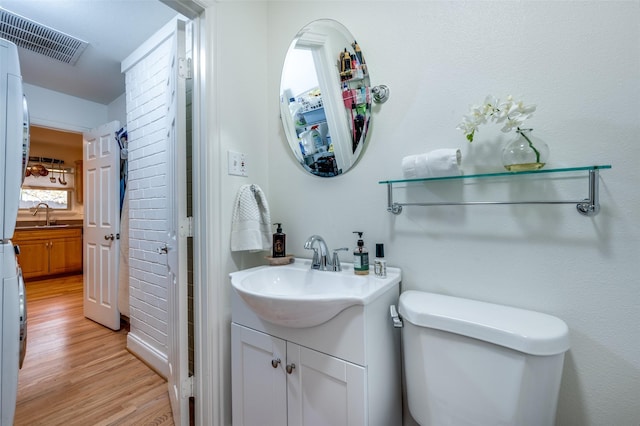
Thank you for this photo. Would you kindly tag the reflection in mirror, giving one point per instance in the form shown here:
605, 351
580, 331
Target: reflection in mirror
325, 98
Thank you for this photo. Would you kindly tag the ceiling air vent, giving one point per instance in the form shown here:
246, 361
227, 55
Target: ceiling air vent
39, 38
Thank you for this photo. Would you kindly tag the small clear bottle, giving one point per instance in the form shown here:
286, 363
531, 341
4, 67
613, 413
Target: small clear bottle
379, 264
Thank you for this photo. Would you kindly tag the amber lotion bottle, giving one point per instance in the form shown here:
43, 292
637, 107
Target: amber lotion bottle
279, 244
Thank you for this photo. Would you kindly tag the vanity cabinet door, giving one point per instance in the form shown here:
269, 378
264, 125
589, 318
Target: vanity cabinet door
259, 382
324, 390
275, 382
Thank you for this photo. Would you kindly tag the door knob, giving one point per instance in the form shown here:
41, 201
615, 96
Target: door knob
109, 237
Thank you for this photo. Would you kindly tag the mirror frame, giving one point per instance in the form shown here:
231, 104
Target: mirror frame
340, 131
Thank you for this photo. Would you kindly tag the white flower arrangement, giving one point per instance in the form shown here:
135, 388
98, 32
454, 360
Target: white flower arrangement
511, 113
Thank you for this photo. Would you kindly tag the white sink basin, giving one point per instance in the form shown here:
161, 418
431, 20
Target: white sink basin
296, 296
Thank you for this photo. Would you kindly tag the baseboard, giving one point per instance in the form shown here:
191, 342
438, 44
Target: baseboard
149, 355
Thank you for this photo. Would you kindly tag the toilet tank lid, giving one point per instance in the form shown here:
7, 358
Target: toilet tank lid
526, 331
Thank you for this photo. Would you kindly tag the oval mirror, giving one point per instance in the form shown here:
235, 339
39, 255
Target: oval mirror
325, 98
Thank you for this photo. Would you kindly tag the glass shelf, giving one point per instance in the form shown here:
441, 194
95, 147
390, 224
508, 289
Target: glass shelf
588, 207
487, 175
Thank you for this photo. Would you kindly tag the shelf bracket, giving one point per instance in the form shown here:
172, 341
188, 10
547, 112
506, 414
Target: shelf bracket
392, 207
591, 206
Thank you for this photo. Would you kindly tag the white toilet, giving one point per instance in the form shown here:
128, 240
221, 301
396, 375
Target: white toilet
473, 363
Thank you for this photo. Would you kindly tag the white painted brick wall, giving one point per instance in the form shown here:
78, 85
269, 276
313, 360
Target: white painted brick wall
148, 282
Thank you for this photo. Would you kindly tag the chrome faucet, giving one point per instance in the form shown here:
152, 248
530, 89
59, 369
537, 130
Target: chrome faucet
46, 211
321, 260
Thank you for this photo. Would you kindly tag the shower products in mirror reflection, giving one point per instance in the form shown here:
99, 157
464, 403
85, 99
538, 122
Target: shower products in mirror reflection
315, 138
360, 257
308, 141
279, 242
379, 264
296, 112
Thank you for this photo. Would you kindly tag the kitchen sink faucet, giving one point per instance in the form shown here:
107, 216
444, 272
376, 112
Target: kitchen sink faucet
46, 206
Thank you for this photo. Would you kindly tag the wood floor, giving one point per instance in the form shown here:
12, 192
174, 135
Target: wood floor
78, 372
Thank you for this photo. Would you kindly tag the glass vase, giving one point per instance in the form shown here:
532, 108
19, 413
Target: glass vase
525, 153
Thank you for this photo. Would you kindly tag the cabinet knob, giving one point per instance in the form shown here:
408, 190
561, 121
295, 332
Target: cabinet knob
290, 368
275, 362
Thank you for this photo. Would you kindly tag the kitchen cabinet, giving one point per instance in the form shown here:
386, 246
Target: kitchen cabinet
49, 251
343, 372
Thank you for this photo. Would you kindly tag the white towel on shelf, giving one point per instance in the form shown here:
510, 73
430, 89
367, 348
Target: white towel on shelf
437, 163
251, 227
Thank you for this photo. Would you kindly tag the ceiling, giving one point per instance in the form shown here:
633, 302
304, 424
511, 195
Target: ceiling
113, 29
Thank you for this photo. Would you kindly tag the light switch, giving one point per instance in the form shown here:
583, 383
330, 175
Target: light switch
237, 163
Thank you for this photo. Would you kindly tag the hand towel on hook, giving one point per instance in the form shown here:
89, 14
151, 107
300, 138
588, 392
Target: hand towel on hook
251, 227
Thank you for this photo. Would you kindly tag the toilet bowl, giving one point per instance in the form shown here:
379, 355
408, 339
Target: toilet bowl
474, 363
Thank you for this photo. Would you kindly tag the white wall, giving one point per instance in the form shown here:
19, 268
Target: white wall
56, 110
117, 110
238, 122
578, 61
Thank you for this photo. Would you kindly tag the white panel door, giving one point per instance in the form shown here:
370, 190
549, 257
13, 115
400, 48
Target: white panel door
177, 231
324, 390
259, 383
101, 225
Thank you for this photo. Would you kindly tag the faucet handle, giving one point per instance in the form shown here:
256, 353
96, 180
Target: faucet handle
336, 259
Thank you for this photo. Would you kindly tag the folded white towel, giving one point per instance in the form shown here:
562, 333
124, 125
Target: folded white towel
437, 163
251, 227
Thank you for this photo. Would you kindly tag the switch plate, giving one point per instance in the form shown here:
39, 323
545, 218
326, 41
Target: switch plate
237, 163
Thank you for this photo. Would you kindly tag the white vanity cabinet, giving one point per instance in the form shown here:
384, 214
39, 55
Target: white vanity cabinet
259, 389
343, 372
278, 383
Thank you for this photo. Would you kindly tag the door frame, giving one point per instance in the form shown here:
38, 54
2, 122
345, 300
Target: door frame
209, 321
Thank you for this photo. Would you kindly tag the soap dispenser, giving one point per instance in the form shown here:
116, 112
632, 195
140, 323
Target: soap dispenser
279, 242
360, 257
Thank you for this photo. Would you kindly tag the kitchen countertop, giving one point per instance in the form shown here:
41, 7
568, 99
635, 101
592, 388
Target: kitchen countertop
40, 226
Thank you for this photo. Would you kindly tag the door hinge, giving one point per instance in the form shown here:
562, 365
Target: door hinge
184, 68
186, 227
187, 387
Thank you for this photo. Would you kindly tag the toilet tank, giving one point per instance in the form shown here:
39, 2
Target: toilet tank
468, 362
